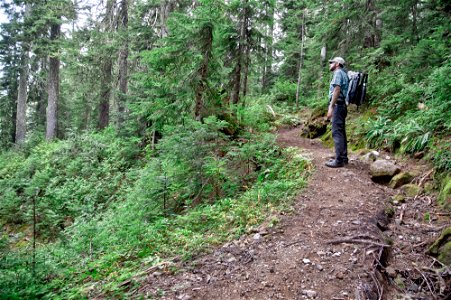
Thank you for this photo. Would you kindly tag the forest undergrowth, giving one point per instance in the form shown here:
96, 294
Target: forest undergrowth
80, 216
148, 132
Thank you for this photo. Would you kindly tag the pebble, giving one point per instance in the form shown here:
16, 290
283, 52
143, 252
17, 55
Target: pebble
353, 260
310, 293
391, 272
413, 287
319, 267
257, 236
306, 261
231, 259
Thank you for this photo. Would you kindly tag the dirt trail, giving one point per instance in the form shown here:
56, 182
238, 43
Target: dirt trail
294, 260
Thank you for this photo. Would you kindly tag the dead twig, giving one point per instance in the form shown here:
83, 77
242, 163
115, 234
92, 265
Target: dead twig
403, 209
440, 279
357, 241
419, 244
357, 294
421, 182
427, 282
440, 263
435, 229
442, 214
293, 243
378, 286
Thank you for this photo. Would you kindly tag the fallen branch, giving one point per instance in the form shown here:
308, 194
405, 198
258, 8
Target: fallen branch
427, 282
420, 184
357, 241
293, 243
435, 229
379, 288
419, 244
443, 214
440, 279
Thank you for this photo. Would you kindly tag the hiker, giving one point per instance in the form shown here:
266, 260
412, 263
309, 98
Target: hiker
338, 111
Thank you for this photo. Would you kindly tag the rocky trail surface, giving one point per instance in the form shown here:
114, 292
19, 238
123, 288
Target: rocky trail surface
343, 240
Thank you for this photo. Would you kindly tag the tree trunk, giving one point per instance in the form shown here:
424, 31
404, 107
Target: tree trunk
53, 87
247, 61
235, 97
105, 90
41, 94
267, 68
414, 22
166, 7
301, 61
203, 70
373, 32
21, 116
107, 69
123, 64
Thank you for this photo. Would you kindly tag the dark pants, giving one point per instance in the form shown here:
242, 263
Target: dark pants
339, 132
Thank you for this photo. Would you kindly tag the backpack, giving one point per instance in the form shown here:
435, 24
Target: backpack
357, 88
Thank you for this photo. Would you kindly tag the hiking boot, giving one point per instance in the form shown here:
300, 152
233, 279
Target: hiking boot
334, 164
345, 161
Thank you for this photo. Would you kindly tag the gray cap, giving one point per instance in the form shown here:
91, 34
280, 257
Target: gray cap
339, 60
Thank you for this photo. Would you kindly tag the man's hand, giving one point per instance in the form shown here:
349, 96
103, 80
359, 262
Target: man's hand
330, 112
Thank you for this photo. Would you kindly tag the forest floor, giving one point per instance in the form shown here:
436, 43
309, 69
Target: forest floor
337, 243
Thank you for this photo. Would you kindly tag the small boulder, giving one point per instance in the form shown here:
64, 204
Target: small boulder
383, 170
444, 198
411, 190
418, 155
442, 247
314, 128
400, 179
370, 157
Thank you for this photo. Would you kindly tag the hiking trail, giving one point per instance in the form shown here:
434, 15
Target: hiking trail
328, 248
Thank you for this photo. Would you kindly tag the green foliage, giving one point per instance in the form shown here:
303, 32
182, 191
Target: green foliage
444, 197
411, 117
67, 179
284, 91
257, 115
441, 156
108, 206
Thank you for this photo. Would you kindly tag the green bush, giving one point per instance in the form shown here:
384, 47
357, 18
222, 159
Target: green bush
66, 179
105, 206
284, 90
412, 118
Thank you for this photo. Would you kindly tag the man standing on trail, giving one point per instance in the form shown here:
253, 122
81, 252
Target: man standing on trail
338, 111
